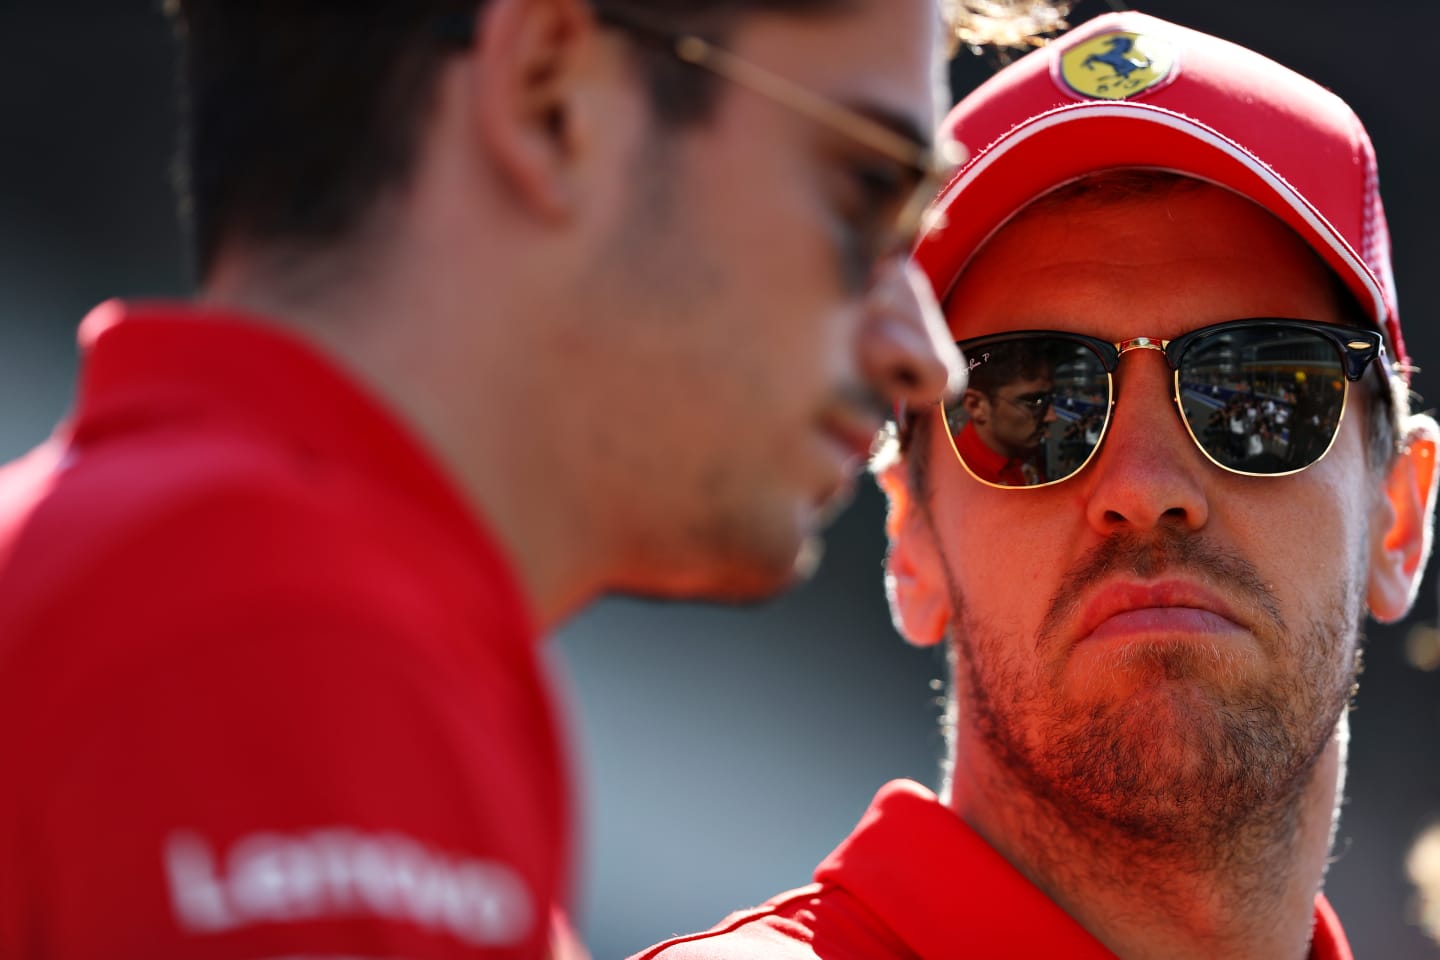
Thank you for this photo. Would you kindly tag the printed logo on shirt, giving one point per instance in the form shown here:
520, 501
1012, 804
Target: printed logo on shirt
339, 872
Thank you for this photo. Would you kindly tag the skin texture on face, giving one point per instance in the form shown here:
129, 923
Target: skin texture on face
739, 363
1153, 657
1179, 637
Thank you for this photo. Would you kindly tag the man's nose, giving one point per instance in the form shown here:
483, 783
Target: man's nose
906, 352
1148, 471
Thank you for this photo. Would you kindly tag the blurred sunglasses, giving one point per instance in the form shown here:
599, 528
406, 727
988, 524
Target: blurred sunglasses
926, 168
1261, 397
923, 168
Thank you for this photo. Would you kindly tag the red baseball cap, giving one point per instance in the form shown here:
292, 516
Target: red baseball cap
1126, 90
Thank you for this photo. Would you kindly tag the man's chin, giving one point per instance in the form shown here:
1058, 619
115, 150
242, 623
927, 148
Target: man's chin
740, 579
1159, 671
1175, 755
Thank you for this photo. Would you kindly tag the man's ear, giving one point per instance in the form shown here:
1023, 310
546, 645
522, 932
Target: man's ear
527, 69
1400, 542
914, 578
977, 406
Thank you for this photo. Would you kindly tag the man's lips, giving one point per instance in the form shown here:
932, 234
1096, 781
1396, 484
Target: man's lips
853, 431
846, 435
1165, 607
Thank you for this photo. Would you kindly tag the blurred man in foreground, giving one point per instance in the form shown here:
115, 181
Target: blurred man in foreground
1148, 722
491, 321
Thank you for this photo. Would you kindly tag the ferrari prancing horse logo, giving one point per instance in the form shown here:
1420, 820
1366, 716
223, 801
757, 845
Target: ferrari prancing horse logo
1117, 65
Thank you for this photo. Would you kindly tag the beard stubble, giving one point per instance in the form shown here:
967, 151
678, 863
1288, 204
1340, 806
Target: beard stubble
1201, 754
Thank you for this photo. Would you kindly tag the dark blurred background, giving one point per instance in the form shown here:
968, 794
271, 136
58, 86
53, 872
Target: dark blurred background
723, 752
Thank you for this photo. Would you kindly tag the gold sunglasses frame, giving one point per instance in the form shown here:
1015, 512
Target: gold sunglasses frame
1356, 347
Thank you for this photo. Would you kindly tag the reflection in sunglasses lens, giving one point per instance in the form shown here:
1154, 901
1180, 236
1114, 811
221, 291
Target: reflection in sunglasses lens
1263, 400
1033, 411
1258, 399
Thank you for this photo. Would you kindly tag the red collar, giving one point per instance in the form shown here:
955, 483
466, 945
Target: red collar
986, 463
173, 365
1328, 942
929, 877
179, 362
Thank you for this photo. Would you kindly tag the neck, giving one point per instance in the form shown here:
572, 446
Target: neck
470, 399
1245, 891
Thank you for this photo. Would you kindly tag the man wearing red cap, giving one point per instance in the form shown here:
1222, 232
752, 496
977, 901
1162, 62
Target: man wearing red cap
493, 319
1154, 643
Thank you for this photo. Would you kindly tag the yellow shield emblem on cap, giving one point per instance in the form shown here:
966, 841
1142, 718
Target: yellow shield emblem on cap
1117, 65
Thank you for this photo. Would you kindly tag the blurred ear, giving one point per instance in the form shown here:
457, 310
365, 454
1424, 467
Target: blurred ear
1400, 542
977, 406
914, 581
526, 79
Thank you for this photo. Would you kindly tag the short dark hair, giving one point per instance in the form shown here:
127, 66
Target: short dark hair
298, 115
1008, 362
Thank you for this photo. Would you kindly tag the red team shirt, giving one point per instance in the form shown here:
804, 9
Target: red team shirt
267, 689
914, 882
996, 467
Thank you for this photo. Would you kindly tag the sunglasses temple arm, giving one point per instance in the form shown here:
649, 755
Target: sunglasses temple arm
701, 53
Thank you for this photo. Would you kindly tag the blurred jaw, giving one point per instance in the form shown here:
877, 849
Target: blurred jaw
741, 368
1163, 646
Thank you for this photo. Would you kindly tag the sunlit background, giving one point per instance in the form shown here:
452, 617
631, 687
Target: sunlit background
722, 753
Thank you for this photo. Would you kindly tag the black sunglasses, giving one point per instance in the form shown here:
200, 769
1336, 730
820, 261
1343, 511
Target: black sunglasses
1261, 397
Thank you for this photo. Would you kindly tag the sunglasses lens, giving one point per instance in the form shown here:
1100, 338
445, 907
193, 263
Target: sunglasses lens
1033, 412
1263, 399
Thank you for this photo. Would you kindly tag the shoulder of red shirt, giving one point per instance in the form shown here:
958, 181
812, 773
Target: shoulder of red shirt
242, 645
914, 881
